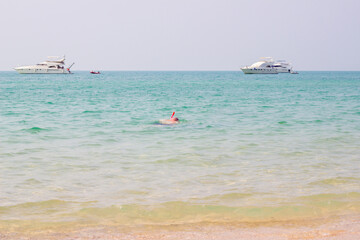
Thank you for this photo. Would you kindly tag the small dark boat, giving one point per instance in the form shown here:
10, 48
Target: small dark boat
93, 72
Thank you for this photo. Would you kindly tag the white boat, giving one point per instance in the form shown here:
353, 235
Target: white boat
264, 66
53, 65
268, 65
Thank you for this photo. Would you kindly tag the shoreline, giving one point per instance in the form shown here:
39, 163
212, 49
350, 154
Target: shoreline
339, 227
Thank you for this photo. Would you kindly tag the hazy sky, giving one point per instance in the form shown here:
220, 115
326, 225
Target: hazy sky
181, 35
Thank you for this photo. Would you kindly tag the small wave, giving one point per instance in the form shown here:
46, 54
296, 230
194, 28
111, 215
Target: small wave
179, 212
332, 197
336, 181
89, 111
12, 114
183, 212
135, 192
42, 209
35, 130
226, 197
318, 121
331, 139
235, 195
169, 160
105, 123
43, 204
32, 181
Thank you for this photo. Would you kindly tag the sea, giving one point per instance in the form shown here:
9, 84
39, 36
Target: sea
82, 149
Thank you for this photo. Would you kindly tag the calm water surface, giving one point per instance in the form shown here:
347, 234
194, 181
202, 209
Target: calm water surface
87, 147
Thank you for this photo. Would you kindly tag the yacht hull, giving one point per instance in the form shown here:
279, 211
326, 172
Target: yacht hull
283, 70
42, 71
259, 71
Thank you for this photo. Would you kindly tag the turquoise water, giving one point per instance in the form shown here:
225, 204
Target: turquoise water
248, 147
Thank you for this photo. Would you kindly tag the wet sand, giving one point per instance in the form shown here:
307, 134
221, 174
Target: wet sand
336, 228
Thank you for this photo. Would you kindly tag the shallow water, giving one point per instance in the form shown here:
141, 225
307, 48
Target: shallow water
87, 147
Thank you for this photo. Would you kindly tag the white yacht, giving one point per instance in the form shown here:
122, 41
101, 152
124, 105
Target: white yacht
268, 65
264, 66
53, 65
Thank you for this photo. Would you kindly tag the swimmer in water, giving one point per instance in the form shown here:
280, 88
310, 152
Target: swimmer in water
172, 120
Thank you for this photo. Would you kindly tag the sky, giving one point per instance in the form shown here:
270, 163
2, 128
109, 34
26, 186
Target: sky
173, 35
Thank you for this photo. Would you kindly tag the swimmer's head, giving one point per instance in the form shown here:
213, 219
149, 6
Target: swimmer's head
175, 119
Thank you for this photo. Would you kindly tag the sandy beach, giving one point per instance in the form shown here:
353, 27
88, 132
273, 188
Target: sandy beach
346, 227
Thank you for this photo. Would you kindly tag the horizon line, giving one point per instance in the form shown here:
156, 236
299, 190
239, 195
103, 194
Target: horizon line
197, 70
